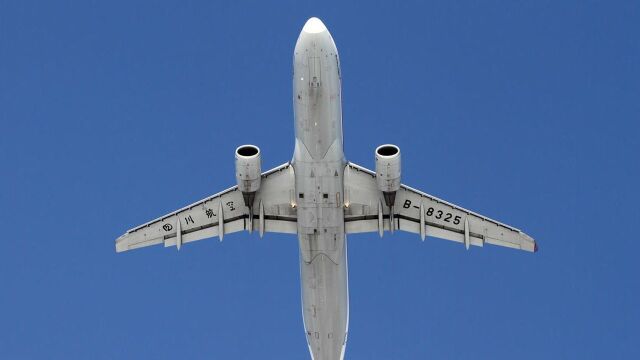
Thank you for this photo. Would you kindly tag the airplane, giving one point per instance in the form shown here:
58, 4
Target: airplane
322, 197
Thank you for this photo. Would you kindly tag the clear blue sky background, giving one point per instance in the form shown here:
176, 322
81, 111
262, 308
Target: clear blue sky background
115, 112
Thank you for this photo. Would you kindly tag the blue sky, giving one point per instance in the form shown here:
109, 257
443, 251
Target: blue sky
113, 113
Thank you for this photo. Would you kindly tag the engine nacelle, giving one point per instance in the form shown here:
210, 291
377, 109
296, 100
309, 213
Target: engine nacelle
248, 171
388, 171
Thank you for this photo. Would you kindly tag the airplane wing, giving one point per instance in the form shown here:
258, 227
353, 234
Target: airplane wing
421, 213
222, 213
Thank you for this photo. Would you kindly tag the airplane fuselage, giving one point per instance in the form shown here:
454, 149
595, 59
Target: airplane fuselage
319, 164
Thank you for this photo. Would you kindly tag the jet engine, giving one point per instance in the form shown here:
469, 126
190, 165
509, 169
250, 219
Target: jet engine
248, 172
388, 171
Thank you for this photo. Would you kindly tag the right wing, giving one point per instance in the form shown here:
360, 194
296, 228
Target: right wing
421, 213
221, 214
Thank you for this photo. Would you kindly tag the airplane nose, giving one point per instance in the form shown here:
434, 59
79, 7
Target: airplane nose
314, 26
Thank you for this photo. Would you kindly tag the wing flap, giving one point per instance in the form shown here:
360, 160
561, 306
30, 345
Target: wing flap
278, 224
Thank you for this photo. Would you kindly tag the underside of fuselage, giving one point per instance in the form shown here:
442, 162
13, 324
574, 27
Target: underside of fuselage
318, 164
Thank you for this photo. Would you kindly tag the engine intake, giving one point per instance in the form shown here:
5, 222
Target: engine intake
388, 171
248, 171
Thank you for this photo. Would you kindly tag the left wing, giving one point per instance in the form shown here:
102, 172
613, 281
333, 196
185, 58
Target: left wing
222, 213
421, 213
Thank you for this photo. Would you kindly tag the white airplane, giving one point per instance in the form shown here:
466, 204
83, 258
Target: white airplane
321, 197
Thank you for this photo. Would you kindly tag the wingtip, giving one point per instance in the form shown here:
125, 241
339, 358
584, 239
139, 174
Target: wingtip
527, 243
121, 245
